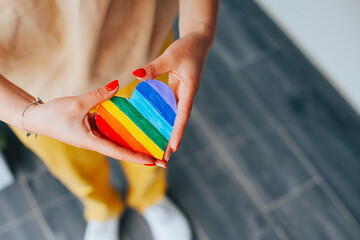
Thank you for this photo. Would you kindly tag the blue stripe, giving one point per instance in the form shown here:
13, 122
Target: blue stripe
145, 108
158, 103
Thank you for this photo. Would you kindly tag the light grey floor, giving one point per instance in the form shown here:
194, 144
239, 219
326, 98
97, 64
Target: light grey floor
271, 152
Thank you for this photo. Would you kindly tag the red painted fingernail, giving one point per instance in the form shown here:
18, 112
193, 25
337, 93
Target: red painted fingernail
113, 85
153, 164
176, 148
139, 73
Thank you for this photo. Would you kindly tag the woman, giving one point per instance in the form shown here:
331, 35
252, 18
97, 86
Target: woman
54, 49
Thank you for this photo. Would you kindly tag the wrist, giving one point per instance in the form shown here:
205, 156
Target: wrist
31, 121
201, 40
204, 32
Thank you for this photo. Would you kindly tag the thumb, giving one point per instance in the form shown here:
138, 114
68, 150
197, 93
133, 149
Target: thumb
157, 67
99, 95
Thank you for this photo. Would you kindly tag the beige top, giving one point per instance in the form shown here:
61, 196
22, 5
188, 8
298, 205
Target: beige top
54, 48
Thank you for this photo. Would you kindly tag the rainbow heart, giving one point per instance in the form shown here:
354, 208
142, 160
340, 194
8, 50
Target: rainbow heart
142, 123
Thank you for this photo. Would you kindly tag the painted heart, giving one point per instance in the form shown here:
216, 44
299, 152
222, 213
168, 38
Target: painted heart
142, 123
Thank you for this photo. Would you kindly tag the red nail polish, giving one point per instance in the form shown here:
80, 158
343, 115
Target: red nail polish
153, 164
113, 85
177, 147
139, 73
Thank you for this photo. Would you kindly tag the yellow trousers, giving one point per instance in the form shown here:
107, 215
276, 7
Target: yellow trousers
87, 174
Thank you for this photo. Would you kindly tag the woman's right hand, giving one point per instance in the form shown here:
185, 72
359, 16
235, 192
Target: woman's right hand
68, 120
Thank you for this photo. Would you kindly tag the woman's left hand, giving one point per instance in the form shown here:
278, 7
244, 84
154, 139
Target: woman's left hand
184, 60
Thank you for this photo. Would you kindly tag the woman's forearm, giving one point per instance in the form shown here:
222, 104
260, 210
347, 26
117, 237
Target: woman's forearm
199, 16
13, 101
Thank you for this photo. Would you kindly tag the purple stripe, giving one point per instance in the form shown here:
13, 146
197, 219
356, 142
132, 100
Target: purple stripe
164, 91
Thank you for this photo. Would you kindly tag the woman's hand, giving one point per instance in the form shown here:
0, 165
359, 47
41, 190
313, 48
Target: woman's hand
68, 120
184, 60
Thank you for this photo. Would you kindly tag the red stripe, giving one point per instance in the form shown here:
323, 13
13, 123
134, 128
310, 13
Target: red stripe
110, 133
121, 131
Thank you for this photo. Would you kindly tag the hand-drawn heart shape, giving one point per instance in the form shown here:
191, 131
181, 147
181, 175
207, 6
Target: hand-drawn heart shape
142, 123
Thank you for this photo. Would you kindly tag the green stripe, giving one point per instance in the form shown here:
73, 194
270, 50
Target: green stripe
139, 120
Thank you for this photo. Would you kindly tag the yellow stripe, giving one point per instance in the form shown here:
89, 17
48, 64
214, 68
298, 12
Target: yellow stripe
133, 129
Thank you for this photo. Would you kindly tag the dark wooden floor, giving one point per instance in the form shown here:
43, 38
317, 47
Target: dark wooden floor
271, 152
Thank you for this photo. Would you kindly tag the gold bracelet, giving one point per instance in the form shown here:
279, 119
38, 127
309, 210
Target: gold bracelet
37, 100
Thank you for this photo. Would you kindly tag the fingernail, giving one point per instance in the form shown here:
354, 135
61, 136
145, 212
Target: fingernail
163, 166
176, 148
139, 73
152, 164
113, 85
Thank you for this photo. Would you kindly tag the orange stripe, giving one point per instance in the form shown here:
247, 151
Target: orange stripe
109, 132
122, 131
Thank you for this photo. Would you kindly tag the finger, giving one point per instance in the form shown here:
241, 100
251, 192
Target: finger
161, 163
99, 95
157, 67
113, 150
167, 153
184, 110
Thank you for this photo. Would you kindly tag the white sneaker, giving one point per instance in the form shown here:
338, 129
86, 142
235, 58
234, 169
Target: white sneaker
166, 222
107, 230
